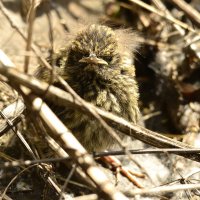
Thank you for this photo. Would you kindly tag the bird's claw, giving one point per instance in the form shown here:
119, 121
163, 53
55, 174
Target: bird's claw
117, 167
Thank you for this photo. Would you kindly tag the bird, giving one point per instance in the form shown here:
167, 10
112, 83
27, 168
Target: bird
97, 62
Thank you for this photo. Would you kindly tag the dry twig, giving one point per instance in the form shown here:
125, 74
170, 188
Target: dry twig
69, 143
66, 99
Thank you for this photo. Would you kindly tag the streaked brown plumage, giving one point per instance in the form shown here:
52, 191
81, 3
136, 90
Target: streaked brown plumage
97, 64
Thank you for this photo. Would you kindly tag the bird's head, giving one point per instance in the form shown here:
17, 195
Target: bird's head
94, 49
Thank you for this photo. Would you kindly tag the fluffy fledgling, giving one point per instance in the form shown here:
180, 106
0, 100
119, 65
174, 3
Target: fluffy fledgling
97, 64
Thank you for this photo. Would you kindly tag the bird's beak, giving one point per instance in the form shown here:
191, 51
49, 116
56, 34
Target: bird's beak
93, 59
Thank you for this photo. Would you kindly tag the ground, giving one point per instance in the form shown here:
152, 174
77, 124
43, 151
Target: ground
167, 69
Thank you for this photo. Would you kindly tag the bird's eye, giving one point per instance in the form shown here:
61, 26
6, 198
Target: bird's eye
80, 54
107, 58
83, 54
74, 56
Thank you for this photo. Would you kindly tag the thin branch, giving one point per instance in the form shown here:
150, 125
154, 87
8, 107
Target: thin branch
64, 187
74, 148
147, 151
66, 99
92, 112
69, 143
18, 163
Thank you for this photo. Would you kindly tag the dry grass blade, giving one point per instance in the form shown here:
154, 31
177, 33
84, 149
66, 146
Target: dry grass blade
30, 33
163, 14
